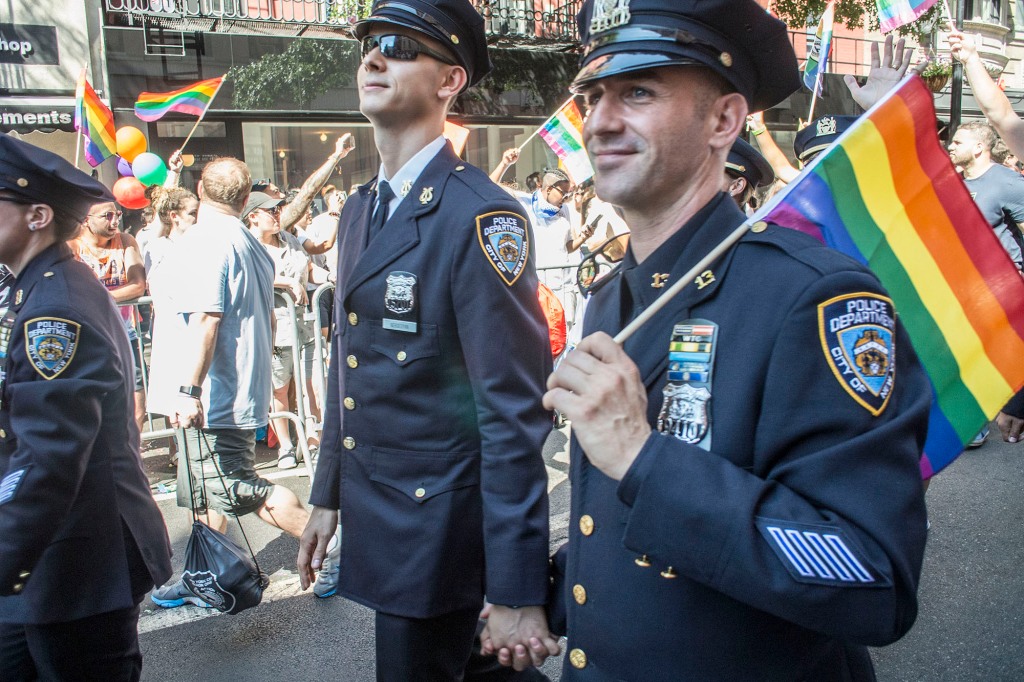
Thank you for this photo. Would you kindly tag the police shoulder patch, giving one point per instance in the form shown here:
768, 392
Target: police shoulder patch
50, 343
505, 240
858, 333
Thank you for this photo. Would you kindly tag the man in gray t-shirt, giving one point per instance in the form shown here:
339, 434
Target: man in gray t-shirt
227, 306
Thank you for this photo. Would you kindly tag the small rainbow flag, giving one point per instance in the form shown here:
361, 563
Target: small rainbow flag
193, 99
895, 13
817, 53
887, 194
564, 134
96, 123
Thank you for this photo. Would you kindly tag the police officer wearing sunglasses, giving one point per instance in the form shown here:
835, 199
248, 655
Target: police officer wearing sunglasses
81, 539
746, 498
434, 425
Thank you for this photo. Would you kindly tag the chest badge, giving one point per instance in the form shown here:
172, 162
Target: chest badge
427, 195
19, 296
686, 405
50, 343
857, 335
400, 302
658, 280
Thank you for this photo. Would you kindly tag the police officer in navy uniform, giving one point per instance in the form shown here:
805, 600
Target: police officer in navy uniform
81, 538
746, 499
434, 425
746, 170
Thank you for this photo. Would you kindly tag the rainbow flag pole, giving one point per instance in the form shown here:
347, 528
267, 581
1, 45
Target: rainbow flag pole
536, 132
886, 194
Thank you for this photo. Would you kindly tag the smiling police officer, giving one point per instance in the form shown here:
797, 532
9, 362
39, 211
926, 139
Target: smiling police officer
81, 539
434, 425
746, 497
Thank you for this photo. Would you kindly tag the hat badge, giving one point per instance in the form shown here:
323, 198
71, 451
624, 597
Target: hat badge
827, 126
609, 14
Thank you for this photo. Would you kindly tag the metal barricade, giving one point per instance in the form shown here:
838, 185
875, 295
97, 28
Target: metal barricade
565, 289
321, 358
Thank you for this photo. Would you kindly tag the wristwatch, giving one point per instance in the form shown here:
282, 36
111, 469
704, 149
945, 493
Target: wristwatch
191, 391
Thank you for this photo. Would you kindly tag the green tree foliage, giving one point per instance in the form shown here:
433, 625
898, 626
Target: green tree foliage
851, 13
305, 70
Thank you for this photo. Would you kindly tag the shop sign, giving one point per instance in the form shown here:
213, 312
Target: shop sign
28, 44
31, 119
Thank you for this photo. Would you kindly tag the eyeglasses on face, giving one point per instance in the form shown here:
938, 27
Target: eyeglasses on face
401, 47
109, 216
599, 267
273, 210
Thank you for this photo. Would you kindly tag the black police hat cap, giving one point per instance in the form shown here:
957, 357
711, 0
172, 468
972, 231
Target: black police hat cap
453, 23
736, 39
819, 134
37, 176
748, 163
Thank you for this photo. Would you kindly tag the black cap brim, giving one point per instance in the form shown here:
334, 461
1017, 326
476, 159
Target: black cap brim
616, 63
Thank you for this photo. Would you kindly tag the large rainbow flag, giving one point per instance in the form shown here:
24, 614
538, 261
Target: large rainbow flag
564, 134
887, 194
193, 99
96, 123
895, 13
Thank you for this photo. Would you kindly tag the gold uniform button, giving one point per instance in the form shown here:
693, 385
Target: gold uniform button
24, 575
16, 588
349, 443
353, 319
349, 403
401, 356
352, 362
642, 561
586, 524
759, 226
3, 434
420, 492
669, 573
578, 659
579, 593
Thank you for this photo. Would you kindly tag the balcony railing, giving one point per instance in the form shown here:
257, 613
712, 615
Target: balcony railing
508, 22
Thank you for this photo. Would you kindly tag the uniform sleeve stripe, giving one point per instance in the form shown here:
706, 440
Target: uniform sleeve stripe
839, 546
831, 559
9, 485
798, 541
787, 549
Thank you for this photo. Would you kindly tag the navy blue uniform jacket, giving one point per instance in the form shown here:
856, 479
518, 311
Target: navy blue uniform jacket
72, 479
432, 440
798, 536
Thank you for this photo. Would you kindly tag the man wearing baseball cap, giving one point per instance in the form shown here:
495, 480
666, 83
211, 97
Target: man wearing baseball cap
433, 430
746, 496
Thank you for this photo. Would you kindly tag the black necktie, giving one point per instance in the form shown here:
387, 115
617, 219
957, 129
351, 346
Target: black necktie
380, 216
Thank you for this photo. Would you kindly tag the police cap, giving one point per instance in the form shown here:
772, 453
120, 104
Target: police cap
736, 39
819, 134
746, 162
453, 23
41, 177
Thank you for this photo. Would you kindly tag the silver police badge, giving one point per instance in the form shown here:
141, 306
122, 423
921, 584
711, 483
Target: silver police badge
609, 14
400, 297
684, 412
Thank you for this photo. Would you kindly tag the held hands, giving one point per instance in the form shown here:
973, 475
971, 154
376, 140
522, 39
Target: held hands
313, 544
598, 388
885, 73
519, 637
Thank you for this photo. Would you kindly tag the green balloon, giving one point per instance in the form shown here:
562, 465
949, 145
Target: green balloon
149, 169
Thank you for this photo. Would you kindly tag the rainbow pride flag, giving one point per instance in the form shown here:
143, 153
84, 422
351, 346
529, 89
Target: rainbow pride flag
193, 99
817, 51
96, 123
887, 194
895, 13
564, 134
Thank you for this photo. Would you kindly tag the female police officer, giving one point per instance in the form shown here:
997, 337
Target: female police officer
81, 539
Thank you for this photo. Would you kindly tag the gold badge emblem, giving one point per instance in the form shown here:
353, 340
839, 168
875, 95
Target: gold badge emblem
19, 295
406, 187
426, 195
658, 280
704, 279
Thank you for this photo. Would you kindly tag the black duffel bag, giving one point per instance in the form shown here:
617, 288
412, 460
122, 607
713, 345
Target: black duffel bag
217, 570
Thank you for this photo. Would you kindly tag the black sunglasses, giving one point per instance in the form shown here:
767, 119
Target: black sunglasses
601, 265
401, 47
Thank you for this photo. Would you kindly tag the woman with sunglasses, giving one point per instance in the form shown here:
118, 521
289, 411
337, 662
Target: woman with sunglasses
72, 489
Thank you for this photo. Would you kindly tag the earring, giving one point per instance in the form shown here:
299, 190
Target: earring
33, 227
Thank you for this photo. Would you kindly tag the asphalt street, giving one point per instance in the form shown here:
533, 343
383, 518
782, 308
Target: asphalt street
969, 626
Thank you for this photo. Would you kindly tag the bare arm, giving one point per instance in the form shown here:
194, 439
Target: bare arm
314, 183
990, 98
201, 338
174, 166
135, 272
507, 159
784, 170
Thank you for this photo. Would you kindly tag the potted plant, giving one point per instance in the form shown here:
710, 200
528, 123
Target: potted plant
936, 73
